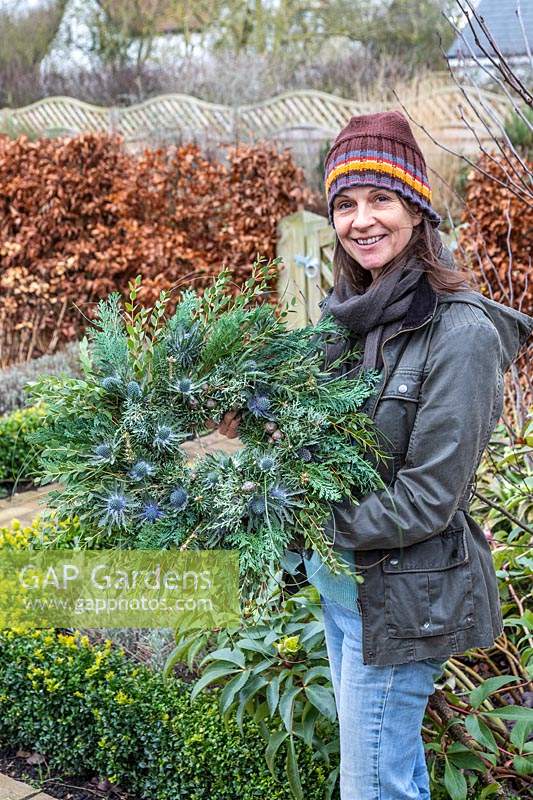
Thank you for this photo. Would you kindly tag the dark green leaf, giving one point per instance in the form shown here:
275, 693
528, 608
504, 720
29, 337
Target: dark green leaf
214, 673
286, 706
323, 700
455, 782
293, 773
276, 740
480, 731
480, 693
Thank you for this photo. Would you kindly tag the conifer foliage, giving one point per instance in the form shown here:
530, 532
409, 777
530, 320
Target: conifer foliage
152, 380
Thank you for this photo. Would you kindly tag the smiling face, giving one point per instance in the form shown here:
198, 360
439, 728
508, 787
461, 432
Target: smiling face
372, 225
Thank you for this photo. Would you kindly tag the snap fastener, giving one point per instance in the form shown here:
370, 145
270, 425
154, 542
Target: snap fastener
469, 619
402, 388
425, 625
393, 561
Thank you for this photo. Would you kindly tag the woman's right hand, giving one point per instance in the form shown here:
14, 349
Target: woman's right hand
228, 426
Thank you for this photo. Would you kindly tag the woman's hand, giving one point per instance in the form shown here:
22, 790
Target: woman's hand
229, 425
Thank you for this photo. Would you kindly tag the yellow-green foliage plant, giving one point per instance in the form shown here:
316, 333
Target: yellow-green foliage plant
18, 457
90, 710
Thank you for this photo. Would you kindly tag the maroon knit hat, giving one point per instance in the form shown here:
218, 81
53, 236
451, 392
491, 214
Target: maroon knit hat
379, 150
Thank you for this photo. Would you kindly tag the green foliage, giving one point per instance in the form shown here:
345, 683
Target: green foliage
520, 131
416, 27
273, 670
44, 531
506, 478
112, 438
91, 711
18, 454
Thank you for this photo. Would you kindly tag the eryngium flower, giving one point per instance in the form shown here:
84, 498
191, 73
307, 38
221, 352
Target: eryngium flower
212, 478
259, 405
133, 390
283, 502
266, 463
183, 385
116, 505
111, 383
141, 470
179, 498
304, 453
257, 505
103, 454
164, 438
280, 494
151, 512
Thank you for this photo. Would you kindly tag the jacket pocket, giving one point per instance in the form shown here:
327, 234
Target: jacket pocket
428, 587
397, 408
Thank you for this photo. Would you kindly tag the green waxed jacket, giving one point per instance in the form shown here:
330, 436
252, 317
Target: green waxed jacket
429, 587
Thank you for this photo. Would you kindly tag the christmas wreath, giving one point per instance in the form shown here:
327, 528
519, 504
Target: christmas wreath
152, 380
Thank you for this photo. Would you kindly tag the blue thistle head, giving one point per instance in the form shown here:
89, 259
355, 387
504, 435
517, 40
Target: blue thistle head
111, 383
141, 470
179, 498
164, 437
304, 454
151, 512
212, 478
103, 453
133, 390
266, 463
257, 505
259, 404
116, 504
183, 385
280, 494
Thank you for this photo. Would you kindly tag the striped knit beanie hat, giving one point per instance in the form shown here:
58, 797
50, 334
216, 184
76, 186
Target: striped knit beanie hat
379, 150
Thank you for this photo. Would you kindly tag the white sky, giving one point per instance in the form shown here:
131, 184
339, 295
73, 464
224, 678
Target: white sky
14, 5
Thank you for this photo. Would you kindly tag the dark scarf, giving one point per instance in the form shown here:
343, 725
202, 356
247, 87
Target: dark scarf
378, 312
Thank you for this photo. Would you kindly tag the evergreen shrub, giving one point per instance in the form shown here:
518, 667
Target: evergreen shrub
89, 710
18, 457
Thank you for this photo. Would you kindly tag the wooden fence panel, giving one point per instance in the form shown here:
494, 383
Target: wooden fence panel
321, 112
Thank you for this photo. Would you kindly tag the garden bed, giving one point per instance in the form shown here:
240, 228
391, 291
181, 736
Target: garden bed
14, 763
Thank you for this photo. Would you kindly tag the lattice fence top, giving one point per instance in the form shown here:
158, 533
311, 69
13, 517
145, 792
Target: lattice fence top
318, 111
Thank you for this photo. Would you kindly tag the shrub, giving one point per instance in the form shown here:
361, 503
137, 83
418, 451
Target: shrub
18, 458
495, 241
44, 530
520, 132
80, 217
89, 710
496, 221
14, 378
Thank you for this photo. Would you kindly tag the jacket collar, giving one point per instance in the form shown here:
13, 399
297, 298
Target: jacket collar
423, 305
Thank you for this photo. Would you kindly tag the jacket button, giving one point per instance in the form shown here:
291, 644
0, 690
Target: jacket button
402, 388
393, 561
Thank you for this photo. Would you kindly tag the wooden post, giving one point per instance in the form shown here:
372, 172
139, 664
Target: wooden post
303, 275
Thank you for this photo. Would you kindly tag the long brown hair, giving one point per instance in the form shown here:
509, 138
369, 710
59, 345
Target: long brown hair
424, 244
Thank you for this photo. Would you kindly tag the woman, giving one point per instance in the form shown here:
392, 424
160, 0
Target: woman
429, 587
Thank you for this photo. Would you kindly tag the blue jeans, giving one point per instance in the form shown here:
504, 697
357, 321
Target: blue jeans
380, 712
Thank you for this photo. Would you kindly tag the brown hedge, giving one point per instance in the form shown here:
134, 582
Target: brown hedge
80, 217
498, 221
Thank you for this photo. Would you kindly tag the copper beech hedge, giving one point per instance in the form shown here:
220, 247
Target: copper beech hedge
79, 217
496, 243
498, 221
